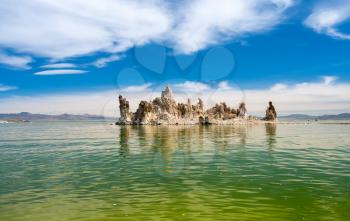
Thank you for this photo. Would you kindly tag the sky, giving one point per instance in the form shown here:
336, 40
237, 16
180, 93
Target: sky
76, 56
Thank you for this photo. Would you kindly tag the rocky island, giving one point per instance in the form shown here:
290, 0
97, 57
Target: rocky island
165, 110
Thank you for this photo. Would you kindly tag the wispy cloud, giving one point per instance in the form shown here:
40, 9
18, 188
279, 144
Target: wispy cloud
139, 88
102, 62
60, 72
206, 22
66, 28
224, 85
329, 79
59, 65
6, 87
191, 86
326, 18
317, 97
20, 62
279, 87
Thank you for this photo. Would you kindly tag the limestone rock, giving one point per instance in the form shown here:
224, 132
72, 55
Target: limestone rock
242, 111
221, 111
145, 113
271, 113
198, 109
125, 114
204, 120
168, 104
165, 110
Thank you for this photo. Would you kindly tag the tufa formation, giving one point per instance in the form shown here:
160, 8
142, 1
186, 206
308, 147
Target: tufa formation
165, 110
270, 114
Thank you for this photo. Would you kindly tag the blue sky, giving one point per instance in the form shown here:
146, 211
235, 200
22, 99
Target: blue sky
293, 52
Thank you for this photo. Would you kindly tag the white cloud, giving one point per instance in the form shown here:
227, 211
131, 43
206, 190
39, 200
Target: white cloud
6, 87
59, 65
102, 62
326, 18
140, 88
67, 28
279, 87
205, 22
60, 72
21, 62
224, 85
191, 86
308, 97
318, 97
329, 79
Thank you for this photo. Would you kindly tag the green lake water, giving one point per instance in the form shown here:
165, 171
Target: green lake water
95, 171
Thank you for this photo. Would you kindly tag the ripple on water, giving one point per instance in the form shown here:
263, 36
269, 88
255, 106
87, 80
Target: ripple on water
81, 171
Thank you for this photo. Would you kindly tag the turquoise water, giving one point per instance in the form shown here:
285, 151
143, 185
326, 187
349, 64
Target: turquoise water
94, 171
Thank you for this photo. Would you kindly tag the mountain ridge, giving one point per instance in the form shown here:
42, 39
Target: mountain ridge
26, 116
342, 116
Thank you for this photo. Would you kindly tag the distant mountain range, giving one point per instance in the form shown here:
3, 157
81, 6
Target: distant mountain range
343, 116
25, 116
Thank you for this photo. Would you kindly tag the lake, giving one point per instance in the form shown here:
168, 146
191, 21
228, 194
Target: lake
96, 171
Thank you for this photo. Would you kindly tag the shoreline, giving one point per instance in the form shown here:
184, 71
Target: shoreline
241, 123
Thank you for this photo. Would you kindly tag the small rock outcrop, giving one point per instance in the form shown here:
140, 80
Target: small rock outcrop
124, 108
271, 114
165, 110
242, 110
221, 111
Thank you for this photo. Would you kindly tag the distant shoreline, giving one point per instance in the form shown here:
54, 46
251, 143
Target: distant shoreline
26, 116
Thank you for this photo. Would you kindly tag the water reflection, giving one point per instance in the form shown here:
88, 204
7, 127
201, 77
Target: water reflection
172, 148
271, 134
200, 144
242, 133
124, 134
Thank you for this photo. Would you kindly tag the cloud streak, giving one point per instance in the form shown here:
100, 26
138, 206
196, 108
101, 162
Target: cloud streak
139, 88
102, 62
60, 72
20, 62
6, 88
59, 65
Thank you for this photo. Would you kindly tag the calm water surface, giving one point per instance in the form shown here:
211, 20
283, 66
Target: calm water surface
94, 171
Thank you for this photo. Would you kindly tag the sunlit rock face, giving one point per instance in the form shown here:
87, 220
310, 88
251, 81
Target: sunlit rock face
165, 110
221, 111
242, 111
125, 114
